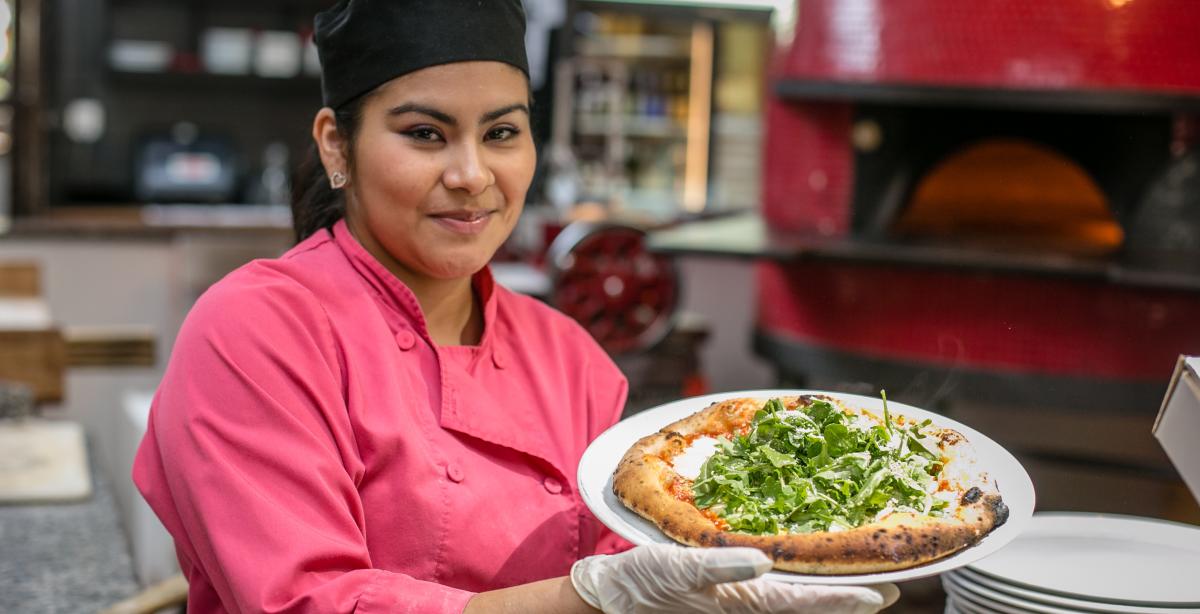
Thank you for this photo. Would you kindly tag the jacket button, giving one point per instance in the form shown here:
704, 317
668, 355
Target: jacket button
406, 339
454, 473
498, 358
552, 485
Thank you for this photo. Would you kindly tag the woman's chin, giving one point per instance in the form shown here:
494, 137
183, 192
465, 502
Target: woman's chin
458, 268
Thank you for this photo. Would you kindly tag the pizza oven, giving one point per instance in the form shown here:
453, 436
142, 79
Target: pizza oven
995, 199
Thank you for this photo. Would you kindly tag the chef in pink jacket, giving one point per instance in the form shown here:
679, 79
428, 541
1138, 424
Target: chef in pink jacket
369, 423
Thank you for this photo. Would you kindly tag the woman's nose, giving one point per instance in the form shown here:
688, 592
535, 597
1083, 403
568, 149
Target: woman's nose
467, 170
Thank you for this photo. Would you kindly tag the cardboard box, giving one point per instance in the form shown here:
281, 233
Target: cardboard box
1178, 425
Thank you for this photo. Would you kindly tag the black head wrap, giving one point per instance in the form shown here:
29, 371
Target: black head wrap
366, 43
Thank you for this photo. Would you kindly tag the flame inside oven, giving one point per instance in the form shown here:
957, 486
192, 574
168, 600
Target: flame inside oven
1011, 193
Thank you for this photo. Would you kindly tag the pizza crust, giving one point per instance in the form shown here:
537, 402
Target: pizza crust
644, 482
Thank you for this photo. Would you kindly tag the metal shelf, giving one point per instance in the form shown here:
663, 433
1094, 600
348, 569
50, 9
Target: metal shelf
190, 82
747, 236
631, 126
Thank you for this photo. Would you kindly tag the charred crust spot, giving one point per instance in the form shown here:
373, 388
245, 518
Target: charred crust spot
999, 509
830, 539
777, 551
972, 495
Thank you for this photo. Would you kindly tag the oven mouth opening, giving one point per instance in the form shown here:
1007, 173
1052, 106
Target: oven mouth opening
1012, 195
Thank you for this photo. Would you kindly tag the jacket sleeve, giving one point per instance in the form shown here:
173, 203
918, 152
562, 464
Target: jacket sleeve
250, 462
607, 394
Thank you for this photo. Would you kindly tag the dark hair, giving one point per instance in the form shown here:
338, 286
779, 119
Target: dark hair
315, 205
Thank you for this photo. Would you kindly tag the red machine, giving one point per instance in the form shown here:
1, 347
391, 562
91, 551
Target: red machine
1003, 194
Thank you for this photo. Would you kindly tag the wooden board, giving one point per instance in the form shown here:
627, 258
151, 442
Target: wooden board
19, 279
43, 461
36, 358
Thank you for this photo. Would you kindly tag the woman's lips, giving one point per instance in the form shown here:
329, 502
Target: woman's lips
464, 222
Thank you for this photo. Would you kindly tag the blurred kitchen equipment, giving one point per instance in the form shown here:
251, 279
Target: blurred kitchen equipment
84, 120
629, 300
184, 165
140, 55
604, 278
272, 185
227, 51
312, 59
277, 54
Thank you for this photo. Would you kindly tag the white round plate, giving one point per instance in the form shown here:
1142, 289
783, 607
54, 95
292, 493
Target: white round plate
954, 606
1031, 596
1104, 558
959, 584
601, 457
965, 603
981, 600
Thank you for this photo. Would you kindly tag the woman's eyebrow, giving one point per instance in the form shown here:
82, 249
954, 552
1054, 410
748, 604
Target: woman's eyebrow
501, 112
490, 116
412, 107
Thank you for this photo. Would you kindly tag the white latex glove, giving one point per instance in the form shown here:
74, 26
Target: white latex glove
665, 578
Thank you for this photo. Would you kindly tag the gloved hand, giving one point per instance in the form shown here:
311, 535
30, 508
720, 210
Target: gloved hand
666, 578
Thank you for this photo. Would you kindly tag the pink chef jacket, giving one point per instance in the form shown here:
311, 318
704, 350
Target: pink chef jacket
312, 450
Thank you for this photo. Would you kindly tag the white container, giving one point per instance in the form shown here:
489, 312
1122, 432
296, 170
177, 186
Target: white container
152, 548
312, 59
1178, 425
277, 54
227, 51
139, 55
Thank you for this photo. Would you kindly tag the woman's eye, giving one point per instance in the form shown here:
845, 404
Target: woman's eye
501, 134
424, 134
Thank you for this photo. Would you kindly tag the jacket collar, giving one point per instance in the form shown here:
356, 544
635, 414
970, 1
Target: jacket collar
399, 297
465, 406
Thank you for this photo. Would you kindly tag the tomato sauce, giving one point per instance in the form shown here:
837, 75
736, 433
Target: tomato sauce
716, 520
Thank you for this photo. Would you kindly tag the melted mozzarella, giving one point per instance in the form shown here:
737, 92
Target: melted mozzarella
687, 463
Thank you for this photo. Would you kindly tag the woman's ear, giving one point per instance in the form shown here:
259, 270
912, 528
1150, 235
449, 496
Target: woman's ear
331, 145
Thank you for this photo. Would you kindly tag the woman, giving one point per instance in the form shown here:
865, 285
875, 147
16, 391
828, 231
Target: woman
369, 423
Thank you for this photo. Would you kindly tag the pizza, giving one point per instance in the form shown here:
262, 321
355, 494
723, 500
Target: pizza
820, 487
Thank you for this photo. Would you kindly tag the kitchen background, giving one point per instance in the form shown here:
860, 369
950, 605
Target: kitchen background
991, 210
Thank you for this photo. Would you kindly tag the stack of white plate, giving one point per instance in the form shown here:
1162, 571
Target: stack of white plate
1096, 563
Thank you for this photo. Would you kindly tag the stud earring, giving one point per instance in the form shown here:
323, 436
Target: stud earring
337, 180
